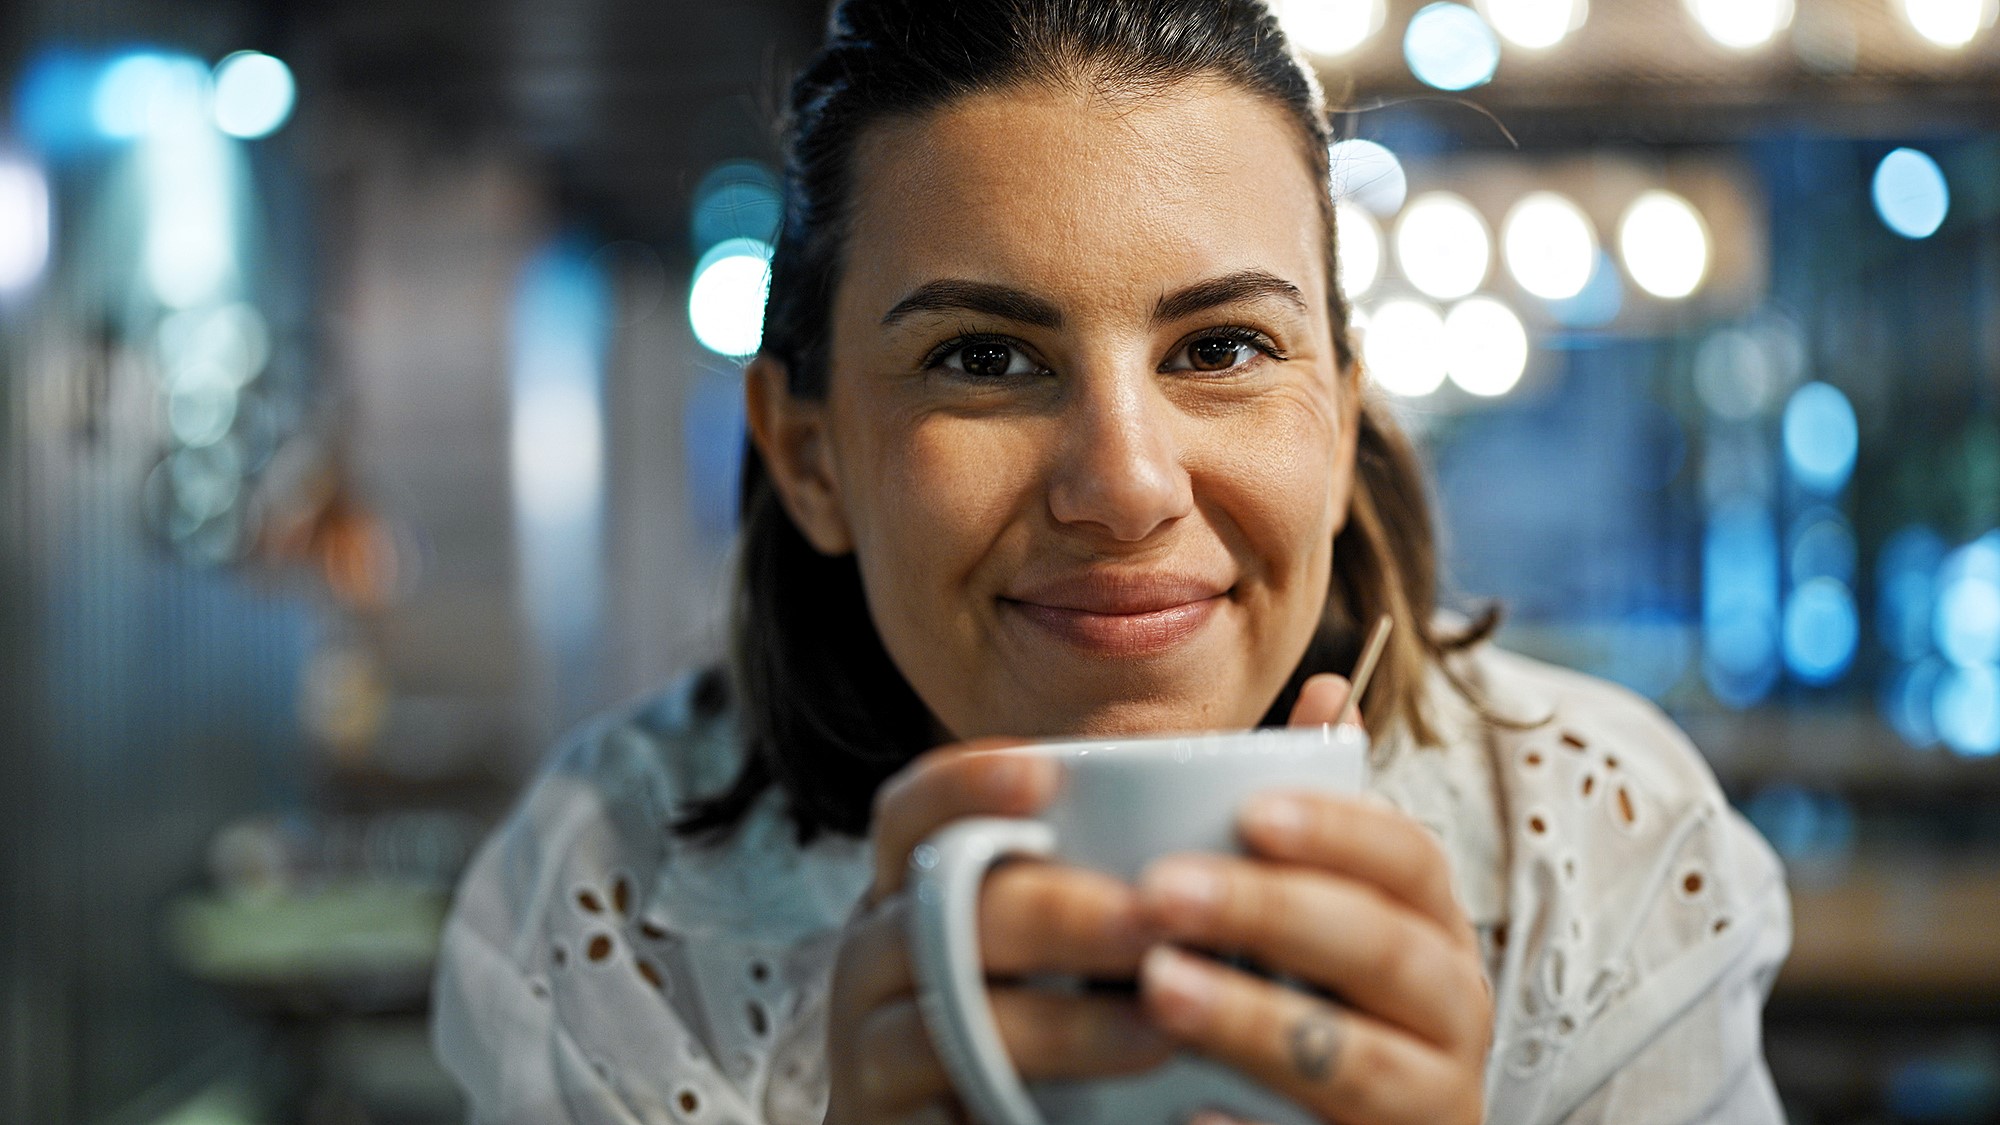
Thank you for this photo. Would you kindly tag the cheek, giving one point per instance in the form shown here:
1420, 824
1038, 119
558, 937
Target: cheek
1277, 476
928, 497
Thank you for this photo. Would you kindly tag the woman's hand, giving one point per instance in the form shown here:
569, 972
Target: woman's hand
1034, 917
1352, 897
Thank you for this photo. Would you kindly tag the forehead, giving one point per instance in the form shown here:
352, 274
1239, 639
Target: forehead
1092, 199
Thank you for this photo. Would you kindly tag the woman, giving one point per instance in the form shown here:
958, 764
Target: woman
1058, 430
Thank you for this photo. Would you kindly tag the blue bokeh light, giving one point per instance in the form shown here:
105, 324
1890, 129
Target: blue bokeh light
1822, 546
1450, 47
139, 91
52, 102
1966, 621
1821, 437
1803, 826
737, 199
1598, 303
1967, 710
1910, 193
1821, 631
1740, 609
1906, 590
1908, 702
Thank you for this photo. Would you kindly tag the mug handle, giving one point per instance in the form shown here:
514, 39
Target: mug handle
947, 871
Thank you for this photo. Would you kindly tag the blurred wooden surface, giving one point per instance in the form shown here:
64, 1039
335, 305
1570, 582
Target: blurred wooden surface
1897, 930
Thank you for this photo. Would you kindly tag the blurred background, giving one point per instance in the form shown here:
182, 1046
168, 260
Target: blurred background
372, 407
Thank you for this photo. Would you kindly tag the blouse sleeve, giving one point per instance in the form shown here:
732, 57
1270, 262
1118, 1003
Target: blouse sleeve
584, 979
1646, 919
1707, 1064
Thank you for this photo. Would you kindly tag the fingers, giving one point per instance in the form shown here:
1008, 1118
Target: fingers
1369, 843
1324, 699
1341, 1063
1048, 1036
1039, 917
1374, 952
971, 780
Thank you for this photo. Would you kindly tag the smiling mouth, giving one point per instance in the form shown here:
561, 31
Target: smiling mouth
1125, 633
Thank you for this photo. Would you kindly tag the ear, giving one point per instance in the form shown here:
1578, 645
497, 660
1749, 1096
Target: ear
791, 435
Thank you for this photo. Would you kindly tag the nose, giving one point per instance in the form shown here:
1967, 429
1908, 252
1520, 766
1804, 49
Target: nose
1120, 470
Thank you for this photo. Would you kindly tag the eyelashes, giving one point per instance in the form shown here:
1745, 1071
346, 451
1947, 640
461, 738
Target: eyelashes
990, 357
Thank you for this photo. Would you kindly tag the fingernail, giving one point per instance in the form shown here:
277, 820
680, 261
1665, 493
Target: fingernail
1178, 990
1279, 821
1182, 885
1014, 778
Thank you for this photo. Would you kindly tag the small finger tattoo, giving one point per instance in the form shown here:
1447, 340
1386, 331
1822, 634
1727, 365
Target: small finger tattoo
1315, 1040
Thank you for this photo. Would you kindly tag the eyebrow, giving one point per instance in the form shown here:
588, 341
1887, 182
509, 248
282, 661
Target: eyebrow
959, 295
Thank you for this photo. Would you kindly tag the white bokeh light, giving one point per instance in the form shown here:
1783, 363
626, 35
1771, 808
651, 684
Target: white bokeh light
1665, 244
1359, 242
1404, 348
1486, 346
1741, 25
726, 303
1950, 23
1549, 245
1366, 173
1443, 246
24, 223
253, 94
1331, 28
1535, 24
1450, 47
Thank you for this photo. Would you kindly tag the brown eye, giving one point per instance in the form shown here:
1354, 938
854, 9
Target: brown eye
986, 360
1216, 353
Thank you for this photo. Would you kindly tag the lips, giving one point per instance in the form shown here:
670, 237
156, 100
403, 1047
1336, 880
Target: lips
1112, 614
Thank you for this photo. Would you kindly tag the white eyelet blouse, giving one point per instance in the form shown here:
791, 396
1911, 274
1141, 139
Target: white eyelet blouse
598, 969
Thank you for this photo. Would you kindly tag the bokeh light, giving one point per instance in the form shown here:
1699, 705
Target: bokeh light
726, 303
1741, 25
1966, 622
1910, 193
1821, 630
736, 199
1486, 347
144, 91
253, 94
1665, 244
1906, 590
1821, 437
1442, 245
1734, 375
1331, 28
1740, 610
1366, 173
1535, 24
1949, 23
1448, 46
1967, 710
1600, 302
1359, 242
1909, 702
1549, 245
1404, 347
1821, 546
24, 223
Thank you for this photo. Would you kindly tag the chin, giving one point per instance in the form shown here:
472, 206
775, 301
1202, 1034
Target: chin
1153, 711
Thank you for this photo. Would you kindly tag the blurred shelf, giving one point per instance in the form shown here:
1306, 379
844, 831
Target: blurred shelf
1897, 933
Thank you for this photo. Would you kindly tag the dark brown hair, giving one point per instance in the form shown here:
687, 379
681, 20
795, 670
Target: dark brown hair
824, 714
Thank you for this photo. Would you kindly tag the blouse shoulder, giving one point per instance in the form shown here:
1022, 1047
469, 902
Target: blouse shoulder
1638, 900
598, 966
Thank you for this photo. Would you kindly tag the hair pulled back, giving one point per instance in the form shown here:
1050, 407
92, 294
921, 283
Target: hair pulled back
824, 713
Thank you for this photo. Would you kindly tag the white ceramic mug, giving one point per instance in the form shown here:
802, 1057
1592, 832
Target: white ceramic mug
1122, 804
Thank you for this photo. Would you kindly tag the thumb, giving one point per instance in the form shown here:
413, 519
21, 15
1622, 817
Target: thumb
1324, 700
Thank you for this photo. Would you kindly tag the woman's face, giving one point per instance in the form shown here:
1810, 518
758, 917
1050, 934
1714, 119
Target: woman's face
1085, 430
